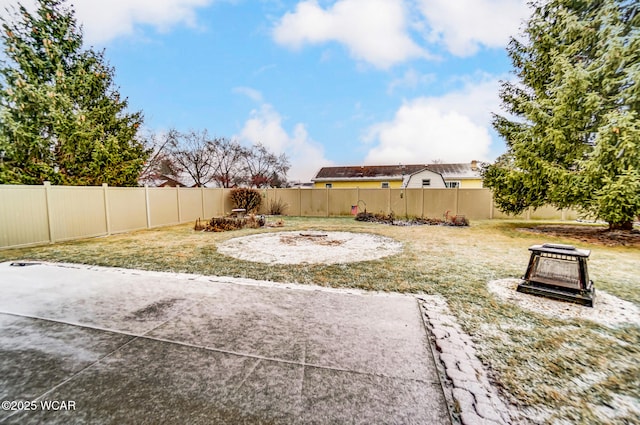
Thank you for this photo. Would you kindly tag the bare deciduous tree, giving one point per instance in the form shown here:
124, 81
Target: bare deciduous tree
229, 161
221, 161
194, 154
160, 164
264, 168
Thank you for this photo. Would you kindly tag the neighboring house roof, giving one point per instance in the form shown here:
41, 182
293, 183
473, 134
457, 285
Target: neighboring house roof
169, 182
366, 172
386, 172
457, 171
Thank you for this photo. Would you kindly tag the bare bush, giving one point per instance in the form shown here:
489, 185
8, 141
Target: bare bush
246, 198
277, 207
224, 224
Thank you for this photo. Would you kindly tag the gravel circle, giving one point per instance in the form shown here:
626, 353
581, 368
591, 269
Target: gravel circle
608, 310
310, 247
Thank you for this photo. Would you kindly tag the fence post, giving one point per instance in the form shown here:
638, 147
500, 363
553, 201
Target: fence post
202, 201
47, 201
264, 205
406, 203
179, 206
146, 201
107, 218
326, 189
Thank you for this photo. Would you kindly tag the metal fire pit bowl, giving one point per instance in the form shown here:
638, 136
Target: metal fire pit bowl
560, 272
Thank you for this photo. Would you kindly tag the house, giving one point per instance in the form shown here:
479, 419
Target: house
461, 175
465, 175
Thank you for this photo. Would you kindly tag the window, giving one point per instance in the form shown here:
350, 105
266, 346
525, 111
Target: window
328, 185
452, 185
385, 185
426, 182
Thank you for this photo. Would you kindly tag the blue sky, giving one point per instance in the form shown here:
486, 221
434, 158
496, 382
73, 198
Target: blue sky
346, 82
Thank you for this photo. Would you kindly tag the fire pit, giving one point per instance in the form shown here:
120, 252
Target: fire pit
560, 272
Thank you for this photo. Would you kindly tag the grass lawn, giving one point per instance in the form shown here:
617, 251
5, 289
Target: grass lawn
561, 371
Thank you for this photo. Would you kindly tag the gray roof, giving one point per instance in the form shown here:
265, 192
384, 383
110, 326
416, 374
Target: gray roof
376, 172
457, 171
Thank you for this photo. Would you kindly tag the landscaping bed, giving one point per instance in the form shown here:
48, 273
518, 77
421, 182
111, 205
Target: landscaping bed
597, 235
391, 219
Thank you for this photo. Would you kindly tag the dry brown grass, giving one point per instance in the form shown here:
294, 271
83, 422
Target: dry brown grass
554, 370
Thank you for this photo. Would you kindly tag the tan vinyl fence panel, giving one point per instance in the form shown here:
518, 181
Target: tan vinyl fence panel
414, 201
340, 202
289, 197
373, 200
438, 202
474, 204
397, 202
190, 204
549, 213
127, 209
76, 212
163, 206
23, 215
313, 202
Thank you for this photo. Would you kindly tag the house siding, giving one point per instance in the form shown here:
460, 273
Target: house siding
415, 180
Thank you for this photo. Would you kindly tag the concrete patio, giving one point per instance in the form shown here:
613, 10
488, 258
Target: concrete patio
126, 346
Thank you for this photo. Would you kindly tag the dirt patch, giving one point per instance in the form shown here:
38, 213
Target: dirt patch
306, 238
596, 235
607, 310
155, 311
310, 247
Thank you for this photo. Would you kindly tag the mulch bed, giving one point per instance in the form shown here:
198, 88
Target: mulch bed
392, 220
596, 235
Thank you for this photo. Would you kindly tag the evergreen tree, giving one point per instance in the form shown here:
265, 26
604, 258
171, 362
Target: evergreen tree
573, 131
61, 118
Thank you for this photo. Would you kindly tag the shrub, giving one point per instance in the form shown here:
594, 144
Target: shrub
457, 220
249, 199
223, 224
277, 206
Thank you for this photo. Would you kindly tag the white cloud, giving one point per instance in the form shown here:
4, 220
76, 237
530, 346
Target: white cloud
265, 126
252, 94
411, 79
452, 128
103, 21
465, 25
374, 31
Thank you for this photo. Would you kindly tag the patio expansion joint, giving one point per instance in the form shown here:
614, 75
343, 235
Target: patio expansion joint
145, 336
70, 378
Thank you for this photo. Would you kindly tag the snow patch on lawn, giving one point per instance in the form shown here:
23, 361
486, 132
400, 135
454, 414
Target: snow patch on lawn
310, 247
608, 310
